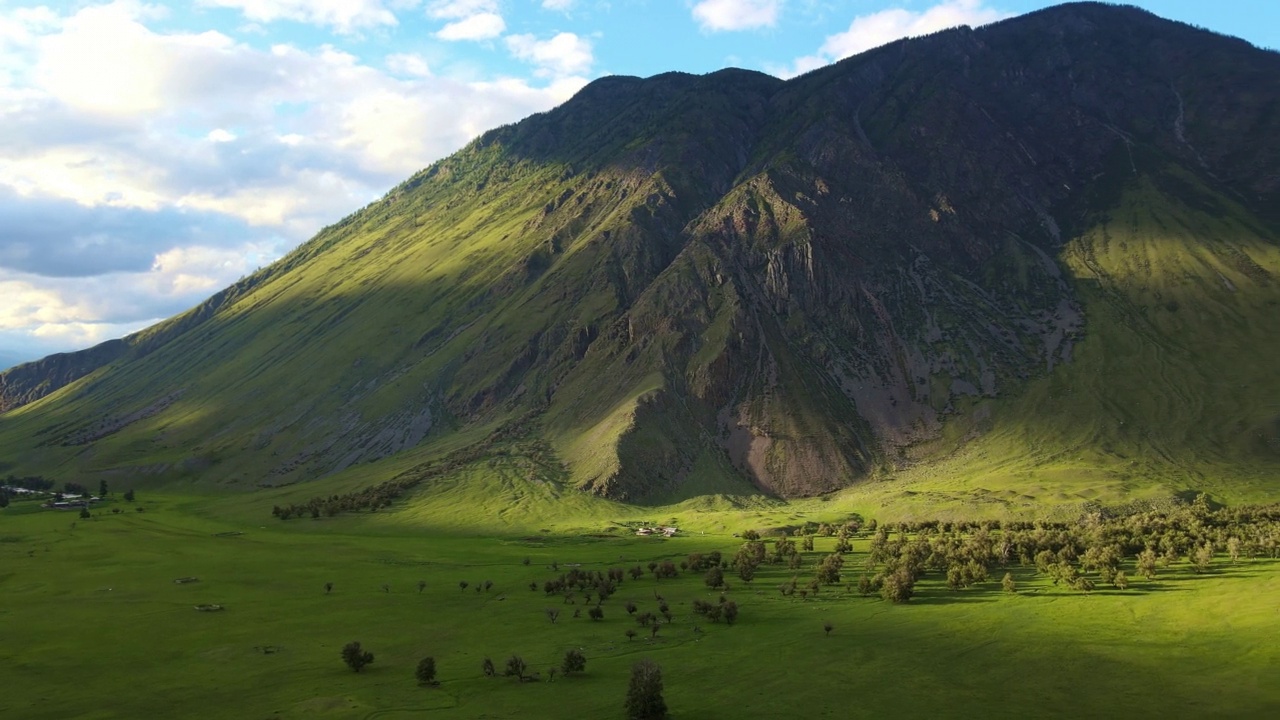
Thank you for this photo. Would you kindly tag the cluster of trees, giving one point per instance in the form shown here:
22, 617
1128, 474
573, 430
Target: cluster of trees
38, 483
573, 662
1076, 555
726, 609
356, 657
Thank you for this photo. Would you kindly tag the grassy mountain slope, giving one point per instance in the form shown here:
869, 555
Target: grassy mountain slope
1034, 262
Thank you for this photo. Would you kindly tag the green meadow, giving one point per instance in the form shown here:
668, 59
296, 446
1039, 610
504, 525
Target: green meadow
95, 626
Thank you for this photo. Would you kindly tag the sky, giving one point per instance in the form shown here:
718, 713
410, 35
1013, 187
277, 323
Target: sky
153, 153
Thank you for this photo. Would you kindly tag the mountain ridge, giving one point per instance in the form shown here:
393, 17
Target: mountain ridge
729, 281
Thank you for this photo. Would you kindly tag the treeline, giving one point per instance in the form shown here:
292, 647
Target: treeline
37, 483
1077, 555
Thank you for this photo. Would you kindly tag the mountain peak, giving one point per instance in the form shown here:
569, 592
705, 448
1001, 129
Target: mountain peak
728, 283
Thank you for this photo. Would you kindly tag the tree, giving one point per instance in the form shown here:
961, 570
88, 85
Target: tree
426, 672
827, 628
516, 667
462, 585
386, 588
328, 588
128, 495
422, 585
355, 656
644, 695
898, 586
4, 499
714, 578
1201, 558
730, 611
487, 668
552, 615
102, 488
1121, 581
574, 661
596, 613
1147, 563
829, 569
1008, 584
630, 607
84, 513
1233, 549
631, 634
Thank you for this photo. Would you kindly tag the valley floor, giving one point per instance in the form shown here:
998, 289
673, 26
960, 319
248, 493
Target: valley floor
95, 626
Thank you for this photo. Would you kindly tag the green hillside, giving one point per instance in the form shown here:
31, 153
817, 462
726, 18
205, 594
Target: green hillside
1033, 264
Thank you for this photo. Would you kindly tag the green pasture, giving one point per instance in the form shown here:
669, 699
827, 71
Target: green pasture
94, 625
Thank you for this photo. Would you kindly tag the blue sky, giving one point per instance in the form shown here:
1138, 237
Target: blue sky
152, 153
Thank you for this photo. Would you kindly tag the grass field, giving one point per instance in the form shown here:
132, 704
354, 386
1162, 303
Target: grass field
95, 627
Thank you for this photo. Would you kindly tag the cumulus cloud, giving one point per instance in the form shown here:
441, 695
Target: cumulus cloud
872, 31
344, 16
563, 55
470, 19
141, 169
484, 26
558, 5
729, 15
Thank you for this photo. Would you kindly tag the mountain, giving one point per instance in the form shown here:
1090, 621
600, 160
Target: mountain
1043, 250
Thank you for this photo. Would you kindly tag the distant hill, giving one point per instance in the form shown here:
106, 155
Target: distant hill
1042, 250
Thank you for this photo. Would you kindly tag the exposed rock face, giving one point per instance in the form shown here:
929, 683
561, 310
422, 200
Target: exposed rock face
789, 283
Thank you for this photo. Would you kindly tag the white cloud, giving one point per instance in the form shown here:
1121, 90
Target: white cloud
484, 26
727, 15
344, 16
872, 31
563, 55
137, 165
454, 9
558, 5
408, 64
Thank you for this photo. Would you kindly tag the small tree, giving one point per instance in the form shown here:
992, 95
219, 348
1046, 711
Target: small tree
128, 495
516, 667
1202, 557
1147, 563
355, 656
552, 615
730, 611
827, 627
1008, 584
422, 585
328, 588
596, 613
386, 588
102, 488
462, 585
4, 499
84, 513
426, 672
644, 695
574, 661
487, 668
714, 578
1121, 581
631, 634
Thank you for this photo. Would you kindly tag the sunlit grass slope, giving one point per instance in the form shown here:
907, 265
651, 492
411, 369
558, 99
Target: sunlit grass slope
1173, 386
96, 627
